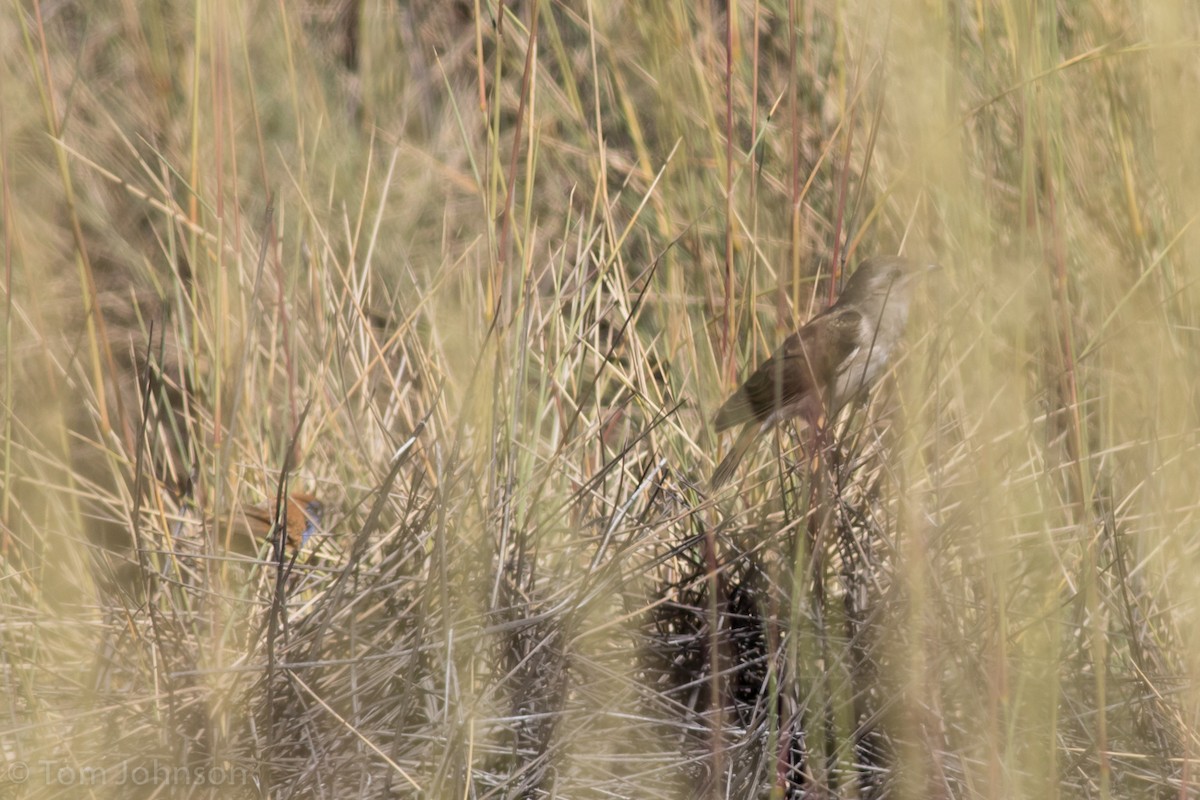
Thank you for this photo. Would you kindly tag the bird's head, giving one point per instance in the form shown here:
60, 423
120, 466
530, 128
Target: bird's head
881, 277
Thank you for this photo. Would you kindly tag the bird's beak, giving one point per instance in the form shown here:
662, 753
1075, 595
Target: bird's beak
926, 270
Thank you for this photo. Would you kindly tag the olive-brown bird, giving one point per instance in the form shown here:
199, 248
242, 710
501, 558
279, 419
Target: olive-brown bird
820, 367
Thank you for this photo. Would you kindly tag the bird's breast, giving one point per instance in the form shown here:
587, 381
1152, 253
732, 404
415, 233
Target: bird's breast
865, 365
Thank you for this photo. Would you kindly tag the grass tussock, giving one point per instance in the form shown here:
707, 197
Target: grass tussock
476, 276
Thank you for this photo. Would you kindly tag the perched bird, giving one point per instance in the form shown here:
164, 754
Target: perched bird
244, 529
303, 520
839, 353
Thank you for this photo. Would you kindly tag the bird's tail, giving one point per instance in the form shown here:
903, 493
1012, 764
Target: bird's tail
729, 463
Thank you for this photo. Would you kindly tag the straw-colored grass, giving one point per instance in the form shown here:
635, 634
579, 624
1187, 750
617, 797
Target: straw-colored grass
477, 275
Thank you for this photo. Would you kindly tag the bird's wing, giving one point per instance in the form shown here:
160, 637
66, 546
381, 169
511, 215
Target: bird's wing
807, 359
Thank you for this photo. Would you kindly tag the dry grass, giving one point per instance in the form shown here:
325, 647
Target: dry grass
481, 291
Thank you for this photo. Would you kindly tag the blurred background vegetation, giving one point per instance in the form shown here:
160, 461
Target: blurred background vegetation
477, 275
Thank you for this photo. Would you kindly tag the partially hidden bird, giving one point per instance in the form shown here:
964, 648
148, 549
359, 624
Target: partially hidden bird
303, 519
819, 368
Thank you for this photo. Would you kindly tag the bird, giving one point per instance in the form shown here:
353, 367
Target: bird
303, 518
244, 529
819, 368
302, 521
